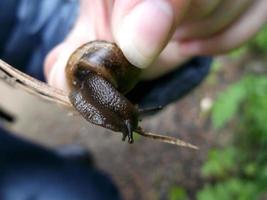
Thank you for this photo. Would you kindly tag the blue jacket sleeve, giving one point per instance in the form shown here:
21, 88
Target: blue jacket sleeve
30, 29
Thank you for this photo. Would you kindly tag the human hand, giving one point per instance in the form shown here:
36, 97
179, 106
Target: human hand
160, 34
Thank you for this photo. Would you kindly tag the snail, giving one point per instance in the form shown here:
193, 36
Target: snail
98, 76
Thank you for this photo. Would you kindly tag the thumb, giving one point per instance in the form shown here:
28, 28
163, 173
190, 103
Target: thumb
142, 28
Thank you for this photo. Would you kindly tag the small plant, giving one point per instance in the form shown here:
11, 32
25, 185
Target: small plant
177, 193
239, 171
260, 40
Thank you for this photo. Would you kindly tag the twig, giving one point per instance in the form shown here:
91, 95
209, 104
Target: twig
19, 79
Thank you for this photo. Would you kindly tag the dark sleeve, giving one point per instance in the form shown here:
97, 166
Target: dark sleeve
172, 86
31, 28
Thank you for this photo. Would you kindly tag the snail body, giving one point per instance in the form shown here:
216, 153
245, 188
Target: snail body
98, 76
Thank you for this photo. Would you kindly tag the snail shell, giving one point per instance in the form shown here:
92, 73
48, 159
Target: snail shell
98, 75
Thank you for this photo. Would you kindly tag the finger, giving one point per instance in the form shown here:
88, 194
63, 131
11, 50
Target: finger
93, 23
237, 34
56, 60
226, 13
50, 60
200, 9
98, 16
169, 59
142, 28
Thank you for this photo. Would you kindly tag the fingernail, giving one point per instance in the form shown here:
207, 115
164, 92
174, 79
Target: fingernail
144, 31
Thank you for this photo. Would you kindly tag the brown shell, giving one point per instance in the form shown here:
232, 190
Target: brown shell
105, 59
98, 75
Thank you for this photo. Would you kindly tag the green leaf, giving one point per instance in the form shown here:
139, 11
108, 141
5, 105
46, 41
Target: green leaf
232, 189
227, 104
220, 163
177, 193
237, 53
261, 40
216, 65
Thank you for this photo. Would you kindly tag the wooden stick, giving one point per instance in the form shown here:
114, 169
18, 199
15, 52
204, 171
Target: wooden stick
19, 79
165, 139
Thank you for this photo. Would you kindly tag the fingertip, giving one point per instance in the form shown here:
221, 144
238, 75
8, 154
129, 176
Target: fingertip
144, 31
